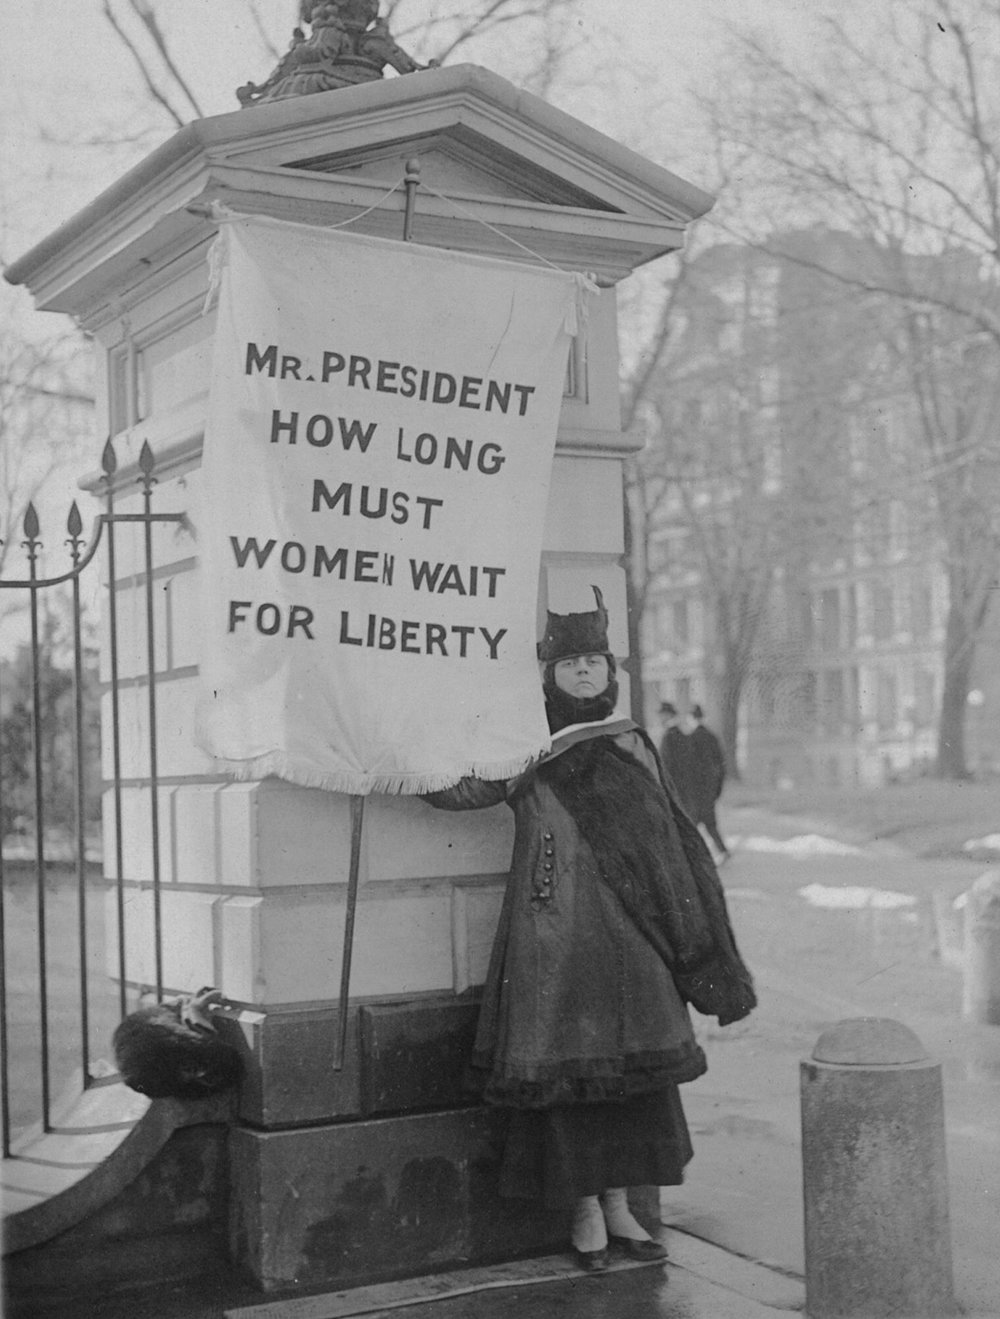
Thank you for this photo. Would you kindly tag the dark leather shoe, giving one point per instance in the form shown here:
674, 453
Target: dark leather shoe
645, 1251
592, 1261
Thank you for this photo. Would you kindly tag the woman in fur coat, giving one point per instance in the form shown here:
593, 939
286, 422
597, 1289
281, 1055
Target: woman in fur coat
613, 921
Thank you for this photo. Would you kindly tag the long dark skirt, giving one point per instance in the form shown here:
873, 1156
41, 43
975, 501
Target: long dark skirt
558, 1154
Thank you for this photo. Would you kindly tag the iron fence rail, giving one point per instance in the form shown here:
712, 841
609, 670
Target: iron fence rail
81, 556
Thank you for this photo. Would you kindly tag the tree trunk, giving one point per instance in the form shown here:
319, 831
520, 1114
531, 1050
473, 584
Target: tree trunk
729, 732
728, 694
633, 609
959, 651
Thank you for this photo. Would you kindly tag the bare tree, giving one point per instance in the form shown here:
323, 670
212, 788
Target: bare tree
706, 495
166, 84
536, 35
450, 27
45, 410
955, 380
644, 488
897, 140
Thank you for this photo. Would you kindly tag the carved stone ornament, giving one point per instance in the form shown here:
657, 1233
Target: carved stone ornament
348, 44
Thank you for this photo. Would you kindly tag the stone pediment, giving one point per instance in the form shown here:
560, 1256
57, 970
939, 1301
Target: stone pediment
500, 170
508, 142
470, 165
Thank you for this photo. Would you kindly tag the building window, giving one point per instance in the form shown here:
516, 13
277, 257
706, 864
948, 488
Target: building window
852, 700
680, 623
921, 610
899, 529
924, 704
807, 696
807, 619
852, 615
830, 619
770, 444
885, 700
883, 613
833, 702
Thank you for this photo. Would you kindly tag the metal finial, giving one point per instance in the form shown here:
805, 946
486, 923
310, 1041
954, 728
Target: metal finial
411, 181
146, 460
109, 462
31, 523
74, 525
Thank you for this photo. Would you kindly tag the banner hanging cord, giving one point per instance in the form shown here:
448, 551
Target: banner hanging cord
374, 206
586, 283
219, 212
426, 187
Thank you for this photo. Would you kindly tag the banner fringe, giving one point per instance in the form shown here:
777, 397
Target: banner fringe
278, 765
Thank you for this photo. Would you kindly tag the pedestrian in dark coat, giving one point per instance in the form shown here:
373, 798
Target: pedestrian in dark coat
613, 921
694, 759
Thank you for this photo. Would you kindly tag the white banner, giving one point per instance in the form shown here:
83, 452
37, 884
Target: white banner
376, 468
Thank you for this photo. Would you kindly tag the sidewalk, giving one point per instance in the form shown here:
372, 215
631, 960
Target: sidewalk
815, 965
699, 1282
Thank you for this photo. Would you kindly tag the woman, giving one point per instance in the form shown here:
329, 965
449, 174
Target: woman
613, 921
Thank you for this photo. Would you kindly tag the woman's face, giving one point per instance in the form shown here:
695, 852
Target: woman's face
582, 676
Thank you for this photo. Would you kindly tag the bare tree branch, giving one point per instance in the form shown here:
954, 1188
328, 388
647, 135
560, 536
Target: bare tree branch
147, 16
895, 140
272, 51
140, 62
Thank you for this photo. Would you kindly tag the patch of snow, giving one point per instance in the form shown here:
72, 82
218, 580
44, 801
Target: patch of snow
855, 897
991, 843
804, 845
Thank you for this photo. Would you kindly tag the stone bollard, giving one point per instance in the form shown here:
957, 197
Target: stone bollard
875, 1186
981, 951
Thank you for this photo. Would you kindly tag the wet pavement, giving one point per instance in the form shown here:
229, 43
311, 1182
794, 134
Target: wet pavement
825, 943
818, 962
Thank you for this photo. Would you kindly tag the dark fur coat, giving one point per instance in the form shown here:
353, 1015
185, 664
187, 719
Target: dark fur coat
613, 921
658, 867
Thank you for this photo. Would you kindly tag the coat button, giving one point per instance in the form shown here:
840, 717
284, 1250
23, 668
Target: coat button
547, 866
549, 851
547, 836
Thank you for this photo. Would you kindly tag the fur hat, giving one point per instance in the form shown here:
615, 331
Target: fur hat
575, 634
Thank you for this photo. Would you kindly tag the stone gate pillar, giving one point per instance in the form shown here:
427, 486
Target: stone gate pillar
384, 1166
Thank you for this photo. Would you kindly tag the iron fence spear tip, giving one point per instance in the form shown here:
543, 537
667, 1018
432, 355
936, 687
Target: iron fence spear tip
146, 460
109, 461
74, 523
31, 523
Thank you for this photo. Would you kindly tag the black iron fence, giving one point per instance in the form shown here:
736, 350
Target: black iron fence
62, 947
